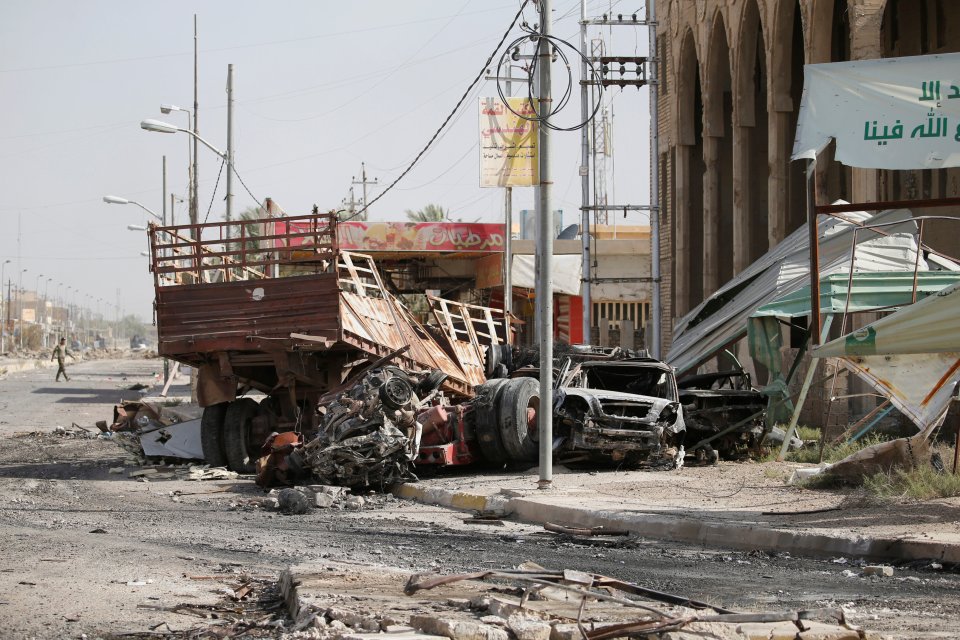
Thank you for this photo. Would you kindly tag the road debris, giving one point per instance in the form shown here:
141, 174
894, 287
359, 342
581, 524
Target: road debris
594, 588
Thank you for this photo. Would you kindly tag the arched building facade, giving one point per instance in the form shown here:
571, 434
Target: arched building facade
730, 80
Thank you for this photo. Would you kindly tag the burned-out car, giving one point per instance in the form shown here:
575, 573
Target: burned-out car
623, 411
722, 407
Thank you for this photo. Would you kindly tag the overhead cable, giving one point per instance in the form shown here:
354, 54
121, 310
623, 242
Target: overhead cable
456, 108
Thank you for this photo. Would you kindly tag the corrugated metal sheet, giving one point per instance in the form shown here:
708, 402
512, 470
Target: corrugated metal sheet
722, 318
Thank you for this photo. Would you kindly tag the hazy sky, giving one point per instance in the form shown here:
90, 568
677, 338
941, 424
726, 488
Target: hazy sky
319, 87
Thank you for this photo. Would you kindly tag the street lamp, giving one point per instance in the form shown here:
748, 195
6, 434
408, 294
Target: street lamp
191, 159
3, 322
20, 305
136, 227
36, 301
119, 200
158, 126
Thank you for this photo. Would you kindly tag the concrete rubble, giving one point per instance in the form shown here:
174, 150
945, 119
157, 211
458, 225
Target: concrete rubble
529, 604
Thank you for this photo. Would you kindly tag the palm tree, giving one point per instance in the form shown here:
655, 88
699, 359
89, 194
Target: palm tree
430, 213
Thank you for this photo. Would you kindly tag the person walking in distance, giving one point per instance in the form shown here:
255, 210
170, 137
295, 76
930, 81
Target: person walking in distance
60, 352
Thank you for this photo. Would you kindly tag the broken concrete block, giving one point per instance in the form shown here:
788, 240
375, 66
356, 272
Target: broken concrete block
565, 632
496, 621
141, 472
878, 570
396, 628
336, 492
354, 502
788, 631
458, 629
323, 500
116, 469
353, 619
526, 628
503, 608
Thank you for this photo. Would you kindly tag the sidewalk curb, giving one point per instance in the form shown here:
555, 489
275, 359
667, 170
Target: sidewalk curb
725, 535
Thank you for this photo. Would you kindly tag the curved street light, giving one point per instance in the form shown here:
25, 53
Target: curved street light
158, 126
119, 200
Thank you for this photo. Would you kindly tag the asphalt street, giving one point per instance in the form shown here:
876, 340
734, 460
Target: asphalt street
90, 551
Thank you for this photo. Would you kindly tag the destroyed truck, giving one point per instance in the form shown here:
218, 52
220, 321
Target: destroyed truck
292, 336
271, 307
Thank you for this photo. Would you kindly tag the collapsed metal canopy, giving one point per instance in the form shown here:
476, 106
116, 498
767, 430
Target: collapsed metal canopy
722, 318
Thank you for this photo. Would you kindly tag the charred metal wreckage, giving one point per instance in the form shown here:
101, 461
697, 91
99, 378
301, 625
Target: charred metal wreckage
358, 390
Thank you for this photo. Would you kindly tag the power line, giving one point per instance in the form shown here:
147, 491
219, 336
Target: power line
456, 107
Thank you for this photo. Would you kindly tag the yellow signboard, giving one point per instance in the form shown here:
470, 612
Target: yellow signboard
508, 143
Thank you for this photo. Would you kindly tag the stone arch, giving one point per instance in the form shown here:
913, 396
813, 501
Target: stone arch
750, 141
718, 160
787, 181
687, 221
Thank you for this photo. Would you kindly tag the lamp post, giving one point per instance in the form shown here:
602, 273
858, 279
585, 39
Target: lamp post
3, 317
20, 305
191, 155
119, 200
36, 300
163, 127
43, 325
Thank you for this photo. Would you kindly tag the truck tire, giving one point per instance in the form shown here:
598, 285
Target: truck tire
237, 443
211, 434
485, 422
516, 399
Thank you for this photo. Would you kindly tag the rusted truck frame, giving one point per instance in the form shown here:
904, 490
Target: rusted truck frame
272, 305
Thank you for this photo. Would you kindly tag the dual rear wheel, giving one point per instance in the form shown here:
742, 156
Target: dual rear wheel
506, 420
230, 435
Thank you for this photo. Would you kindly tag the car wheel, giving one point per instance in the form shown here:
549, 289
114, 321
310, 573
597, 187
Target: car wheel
517, 407
211, 434
237, 431
485, 422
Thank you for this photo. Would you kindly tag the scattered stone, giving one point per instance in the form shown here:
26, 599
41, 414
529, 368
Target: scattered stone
397, 628
496, 621
354, 502
336, 492
323, 500
142, 472
525, 628
116, 469
458, 629
353, 619
878, 570
292, 502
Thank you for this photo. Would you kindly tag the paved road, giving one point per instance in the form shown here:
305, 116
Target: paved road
58, 578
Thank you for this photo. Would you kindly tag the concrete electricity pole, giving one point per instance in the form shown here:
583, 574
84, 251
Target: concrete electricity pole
229, 147
544, 290
195, 195
364, 182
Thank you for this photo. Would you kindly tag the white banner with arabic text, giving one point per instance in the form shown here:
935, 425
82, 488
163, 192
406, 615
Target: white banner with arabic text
890, 113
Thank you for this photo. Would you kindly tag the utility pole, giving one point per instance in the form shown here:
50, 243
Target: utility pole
364, 182
585, 180
621, 71
163, 198
657, 309
229, 147
351, 204
195, 195
544, 289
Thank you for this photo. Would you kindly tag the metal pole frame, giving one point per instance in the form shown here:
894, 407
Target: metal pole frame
544, 289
